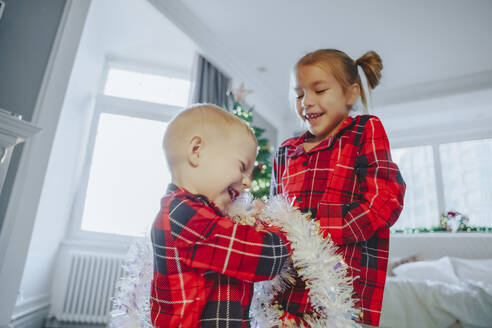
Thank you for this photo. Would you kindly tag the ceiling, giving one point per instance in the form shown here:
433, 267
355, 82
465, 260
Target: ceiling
133, 33
429, 48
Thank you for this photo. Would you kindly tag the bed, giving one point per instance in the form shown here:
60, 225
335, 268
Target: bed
447, 292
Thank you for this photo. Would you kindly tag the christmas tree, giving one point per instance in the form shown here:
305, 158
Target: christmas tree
262, 172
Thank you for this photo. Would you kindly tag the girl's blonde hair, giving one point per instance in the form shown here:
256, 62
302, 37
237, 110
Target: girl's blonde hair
344, 68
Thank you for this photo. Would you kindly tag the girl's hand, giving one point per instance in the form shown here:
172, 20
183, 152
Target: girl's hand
259, 225
258, 206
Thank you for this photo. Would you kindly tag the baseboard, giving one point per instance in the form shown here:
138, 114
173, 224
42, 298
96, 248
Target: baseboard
34, 319
30, 305
53, 323
31, 312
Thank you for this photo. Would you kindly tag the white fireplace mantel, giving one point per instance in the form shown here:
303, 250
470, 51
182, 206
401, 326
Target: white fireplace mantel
13, 130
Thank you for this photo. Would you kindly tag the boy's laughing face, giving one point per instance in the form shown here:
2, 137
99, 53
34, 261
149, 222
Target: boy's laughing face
226, 167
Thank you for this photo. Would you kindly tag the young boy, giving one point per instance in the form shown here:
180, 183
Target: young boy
204, 263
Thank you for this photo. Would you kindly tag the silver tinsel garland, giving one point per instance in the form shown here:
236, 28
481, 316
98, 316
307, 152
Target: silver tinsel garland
316, 262
313, 258
131, 303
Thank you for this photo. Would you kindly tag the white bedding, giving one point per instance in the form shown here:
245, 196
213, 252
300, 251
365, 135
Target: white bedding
439, 294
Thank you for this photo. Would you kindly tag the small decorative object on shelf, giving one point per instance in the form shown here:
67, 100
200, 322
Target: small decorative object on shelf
451, 221
454, 221
440, 229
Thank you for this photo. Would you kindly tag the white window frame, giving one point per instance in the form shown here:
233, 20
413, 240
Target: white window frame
140, 67
119, 106
440, 136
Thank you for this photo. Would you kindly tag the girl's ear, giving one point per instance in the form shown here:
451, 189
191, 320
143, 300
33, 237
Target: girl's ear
353, 92
193, 151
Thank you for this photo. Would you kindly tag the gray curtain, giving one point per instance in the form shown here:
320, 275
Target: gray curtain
210, 85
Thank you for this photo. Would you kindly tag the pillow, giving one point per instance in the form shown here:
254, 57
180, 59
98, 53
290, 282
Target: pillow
475, 270
396, 261
437, 270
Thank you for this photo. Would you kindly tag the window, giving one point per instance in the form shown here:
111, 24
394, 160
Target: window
128, 175
147, 87
466, 172
467, 176
420, 205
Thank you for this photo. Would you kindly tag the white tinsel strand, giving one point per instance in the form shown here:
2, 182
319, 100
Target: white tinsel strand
316, 262
263, 311
131, 303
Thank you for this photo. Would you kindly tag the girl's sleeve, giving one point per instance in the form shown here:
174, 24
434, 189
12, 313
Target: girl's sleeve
275, 186
208, 241
381, 190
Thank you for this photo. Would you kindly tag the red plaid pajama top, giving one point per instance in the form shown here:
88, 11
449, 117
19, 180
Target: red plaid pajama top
349, 183
205, 264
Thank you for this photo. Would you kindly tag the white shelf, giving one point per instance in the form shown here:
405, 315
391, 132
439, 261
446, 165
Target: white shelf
13, 130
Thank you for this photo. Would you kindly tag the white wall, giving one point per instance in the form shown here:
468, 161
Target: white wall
431, 246
461, 116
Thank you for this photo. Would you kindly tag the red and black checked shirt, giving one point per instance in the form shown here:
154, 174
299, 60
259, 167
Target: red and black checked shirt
349, 183
205, 264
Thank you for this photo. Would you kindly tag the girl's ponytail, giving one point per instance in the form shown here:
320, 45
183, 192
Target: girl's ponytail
372, 65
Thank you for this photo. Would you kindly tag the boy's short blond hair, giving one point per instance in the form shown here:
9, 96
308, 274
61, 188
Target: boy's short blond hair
207, 120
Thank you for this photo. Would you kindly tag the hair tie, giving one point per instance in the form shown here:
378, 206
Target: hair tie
365, 88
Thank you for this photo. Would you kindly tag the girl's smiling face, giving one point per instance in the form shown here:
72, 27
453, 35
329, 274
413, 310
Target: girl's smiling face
321, 101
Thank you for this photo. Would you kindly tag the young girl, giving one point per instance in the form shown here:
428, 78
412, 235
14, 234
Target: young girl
341, 172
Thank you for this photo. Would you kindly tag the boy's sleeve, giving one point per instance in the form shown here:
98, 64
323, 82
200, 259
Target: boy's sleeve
381, 188
208, 241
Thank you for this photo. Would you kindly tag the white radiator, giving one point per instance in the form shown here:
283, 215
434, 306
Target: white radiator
84, 285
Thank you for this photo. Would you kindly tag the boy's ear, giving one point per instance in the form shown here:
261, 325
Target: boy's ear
193, 151
353, 92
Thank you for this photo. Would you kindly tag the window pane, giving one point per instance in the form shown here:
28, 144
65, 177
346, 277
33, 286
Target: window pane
420, 205
128, 175
467, 175
147, 87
